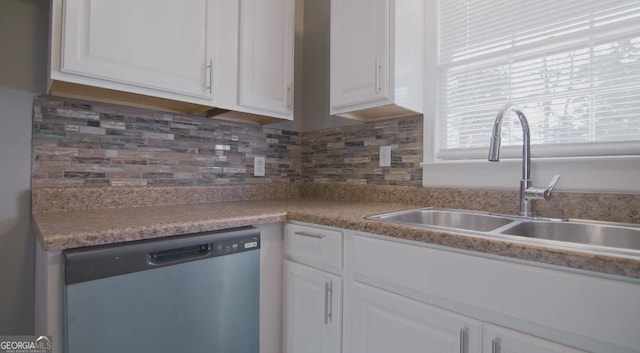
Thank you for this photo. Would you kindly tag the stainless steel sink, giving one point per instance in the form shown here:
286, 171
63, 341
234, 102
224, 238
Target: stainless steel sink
446, 218
598, 234
611, 237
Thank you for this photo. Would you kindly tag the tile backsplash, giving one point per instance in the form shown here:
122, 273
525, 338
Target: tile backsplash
351, 154
184, 159
81, 143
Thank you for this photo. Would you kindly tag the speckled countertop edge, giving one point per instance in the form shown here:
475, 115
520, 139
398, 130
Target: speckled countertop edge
70, 229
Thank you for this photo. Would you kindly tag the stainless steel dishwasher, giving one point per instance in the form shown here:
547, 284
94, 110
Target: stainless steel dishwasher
188, 293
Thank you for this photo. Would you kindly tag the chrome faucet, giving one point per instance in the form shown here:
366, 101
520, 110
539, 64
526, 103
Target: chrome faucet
527, 191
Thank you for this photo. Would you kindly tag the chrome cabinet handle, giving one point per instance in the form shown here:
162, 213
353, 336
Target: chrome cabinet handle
289, 96
309, 235
210, 69
328, 302
495, 346
378, 67
463, 340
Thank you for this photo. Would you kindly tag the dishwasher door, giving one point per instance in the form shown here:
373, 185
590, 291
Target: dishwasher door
192, 293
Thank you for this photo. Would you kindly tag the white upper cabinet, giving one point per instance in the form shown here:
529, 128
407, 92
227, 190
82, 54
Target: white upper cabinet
359, 48
266, 55
377, 54
160, 48
185, 56
254, 65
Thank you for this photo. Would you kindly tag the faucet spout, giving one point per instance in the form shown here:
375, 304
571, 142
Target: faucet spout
494, 151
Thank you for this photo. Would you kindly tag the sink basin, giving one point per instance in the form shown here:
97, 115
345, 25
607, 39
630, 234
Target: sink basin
446, 218
576, 232
618, 238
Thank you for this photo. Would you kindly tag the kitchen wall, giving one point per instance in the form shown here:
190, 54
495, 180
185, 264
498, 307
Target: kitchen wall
315, 69
81, 143
23, 39
350, 154
16, 237
85, 144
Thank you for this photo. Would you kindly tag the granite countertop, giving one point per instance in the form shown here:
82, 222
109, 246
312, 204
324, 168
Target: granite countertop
70, 229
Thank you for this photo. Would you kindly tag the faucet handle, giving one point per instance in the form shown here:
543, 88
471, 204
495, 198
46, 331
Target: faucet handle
547, 192
540, 193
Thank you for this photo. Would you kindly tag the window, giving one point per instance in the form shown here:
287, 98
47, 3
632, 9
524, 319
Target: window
572, 66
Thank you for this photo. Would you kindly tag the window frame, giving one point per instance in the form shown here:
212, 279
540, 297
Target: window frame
614, 174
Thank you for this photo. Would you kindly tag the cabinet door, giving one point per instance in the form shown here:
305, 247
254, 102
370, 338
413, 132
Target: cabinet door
266, 55
157, 44
383, 322
359, 51
502, 340
313, 310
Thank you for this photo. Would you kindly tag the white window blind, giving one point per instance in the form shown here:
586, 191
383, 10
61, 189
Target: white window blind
573, 66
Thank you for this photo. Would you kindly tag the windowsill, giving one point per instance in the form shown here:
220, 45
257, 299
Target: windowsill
589, 174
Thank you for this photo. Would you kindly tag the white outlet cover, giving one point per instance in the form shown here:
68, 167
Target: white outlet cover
259, 166
385, 156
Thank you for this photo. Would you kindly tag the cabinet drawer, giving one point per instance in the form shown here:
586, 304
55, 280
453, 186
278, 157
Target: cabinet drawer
314, 246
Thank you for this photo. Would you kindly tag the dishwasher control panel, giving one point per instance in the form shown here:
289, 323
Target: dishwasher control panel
232, 246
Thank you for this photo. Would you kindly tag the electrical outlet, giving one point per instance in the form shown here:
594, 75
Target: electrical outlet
385, 156
258, 166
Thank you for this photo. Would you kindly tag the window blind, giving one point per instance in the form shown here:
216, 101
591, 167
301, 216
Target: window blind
573, 66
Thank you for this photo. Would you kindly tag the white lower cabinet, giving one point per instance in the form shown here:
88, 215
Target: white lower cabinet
313, 289
501, 340
383, 322
312, 310
404, 297
544, 308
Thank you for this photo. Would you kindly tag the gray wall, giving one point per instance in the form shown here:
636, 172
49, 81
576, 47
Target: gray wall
315, 69
23, 43
311, 108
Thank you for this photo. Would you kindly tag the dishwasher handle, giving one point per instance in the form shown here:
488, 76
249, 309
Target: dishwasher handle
178, 255
103, 261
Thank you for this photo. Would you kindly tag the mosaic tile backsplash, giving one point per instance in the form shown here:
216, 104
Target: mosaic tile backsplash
351, 154
185, 159
91, 144
80, 143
